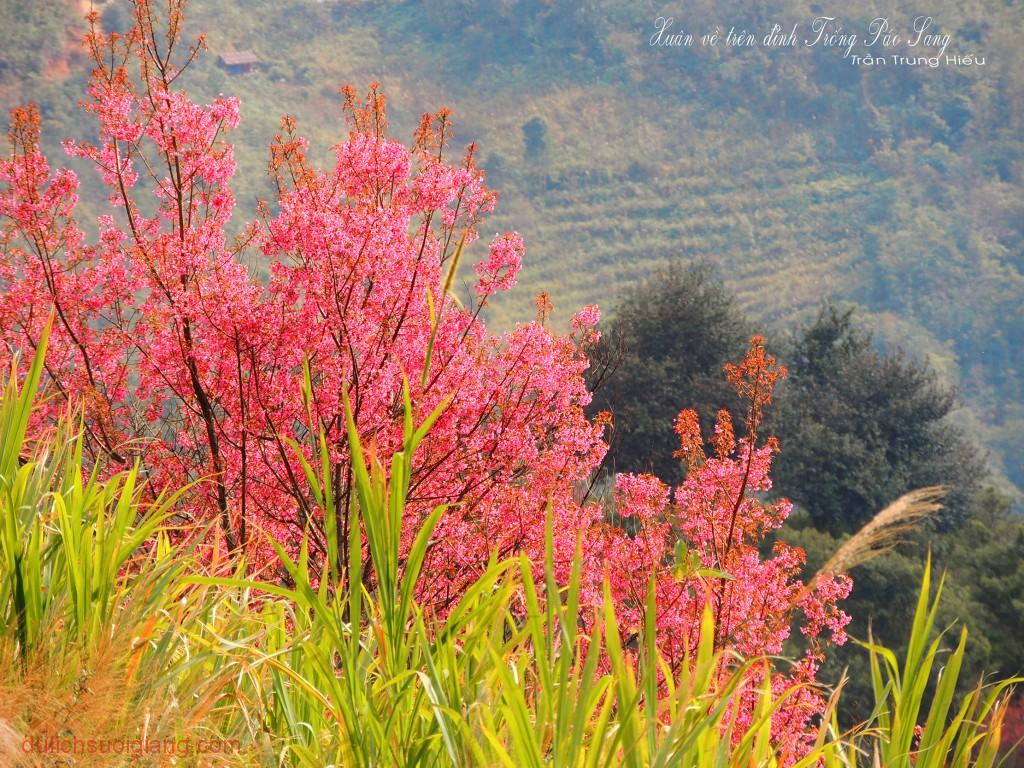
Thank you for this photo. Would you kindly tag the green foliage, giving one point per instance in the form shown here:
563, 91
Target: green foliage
663, 350
984, 584
948, 735
986, 556
100, 636
353, 672
66, 539
860, 428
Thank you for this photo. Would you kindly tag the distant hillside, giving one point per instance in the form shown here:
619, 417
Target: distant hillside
802, 176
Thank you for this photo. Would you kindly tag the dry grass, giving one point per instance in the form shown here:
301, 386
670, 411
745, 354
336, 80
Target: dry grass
884, 531
64, 695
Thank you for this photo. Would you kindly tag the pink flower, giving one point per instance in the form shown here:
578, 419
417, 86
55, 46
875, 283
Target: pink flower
587, 317
499, 272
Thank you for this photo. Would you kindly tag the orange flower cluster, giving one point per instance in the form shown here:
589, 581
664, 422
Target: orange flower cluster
754, 379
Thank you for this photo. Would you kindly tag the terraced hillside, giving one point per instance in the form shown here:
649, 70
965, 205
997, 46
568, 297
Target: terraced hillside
770, 227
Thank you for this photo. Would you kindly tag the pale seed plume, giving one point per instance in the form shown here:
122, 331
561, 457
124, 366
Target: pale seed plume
884, 531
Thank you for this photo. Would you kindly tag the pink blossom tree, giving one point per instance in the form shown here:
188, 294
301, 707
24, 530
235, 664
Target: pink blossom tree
190, 365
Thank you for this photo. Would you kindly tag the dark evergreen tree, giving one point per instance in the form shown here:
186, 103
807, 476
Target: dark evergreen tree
860, 427
535, 138
662, 351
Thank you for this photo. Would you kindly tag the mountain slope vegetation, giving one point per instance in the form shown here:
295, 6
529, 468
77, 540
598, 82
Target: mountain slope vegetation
800, 175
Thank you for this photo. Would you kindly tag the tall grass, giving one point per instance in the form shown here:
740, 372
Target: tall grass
112, 624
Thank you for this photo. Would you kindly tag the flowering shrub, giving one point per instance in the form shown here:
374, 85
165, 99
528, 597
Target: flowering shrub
699, 545
188, 364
